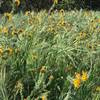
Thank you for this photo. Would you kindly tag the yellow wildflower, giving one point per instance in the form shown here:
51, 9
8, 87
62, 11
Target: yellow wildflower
98, 20
62, 12
98, 88
82, 34
8, 15
90, 46
77, 75
13, 32
87, 13
51, 77
17, 2
10, 50
43, 98
84, 76
76, 82
5, 30
27, 13
19, 86
43, 69
50, 29
1, 51
61, 22
55, 1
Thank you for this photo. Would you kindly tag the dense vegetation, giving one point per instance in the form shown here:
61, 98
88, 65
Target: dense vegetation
49, 50
54, 57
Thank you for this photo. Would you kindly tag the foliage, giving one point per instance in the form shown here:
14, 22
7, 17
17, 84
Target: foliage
55, 57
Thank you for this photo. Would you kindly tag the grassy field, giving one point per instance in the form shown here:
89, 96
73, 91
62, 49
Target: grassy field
50, 57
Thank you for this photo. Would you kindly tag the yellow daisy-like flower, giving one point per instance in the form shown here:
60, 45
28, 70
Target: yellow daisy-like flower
76, 82
50, 29
61, 22
55, 1
17, 2
62, 12
4, 30
8, 15
43, 69
84, 76
43, 98
27, 13
82, 34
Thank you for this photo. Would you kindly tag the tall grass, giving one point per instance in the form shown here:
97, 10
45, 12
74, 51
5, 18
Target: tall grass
40, 54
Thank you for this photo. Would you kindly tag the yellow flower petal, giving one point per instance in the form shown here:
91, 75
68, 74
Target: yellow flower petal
55, 1
4, 30
8, 15
44, 97
77, 75
76, 83
84, 76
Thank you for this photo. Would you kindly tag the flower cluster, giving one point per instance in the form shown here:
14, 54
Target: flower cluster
80, 78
